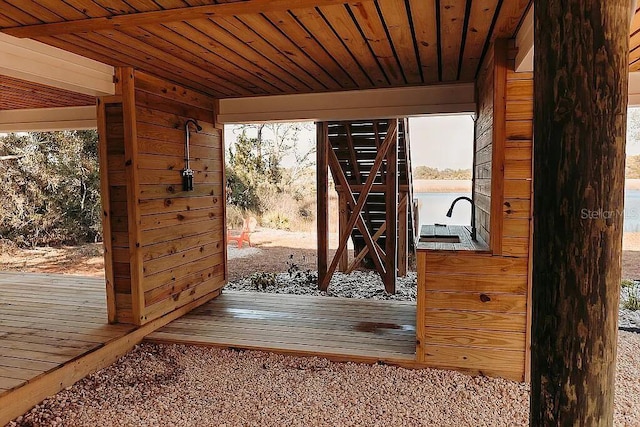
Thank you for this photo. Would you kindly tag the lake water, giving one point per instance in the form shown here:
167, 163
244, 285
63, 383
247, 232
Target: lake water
434, 206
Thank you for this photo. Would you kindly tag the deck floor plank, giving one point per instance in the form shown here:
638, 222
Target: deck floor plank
361, 330
47, 321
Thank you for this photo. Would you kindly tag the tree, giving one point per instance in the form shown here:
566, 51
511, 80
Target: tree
257, 160
51, 188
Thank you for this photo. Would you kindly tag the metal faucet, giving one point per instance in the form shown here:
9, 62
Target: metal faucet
473, 214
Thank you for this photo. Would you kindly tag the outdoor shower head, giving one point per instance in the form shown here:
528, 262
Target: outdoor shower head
195, 123
187, 173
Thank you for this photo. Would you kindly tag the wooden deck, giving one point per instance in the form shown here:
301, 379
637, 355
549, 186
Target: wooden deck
338, 328
47, 321
53, 332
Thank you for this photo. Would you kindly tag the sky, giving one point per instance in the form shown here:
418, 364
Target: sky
436, 141
443, 141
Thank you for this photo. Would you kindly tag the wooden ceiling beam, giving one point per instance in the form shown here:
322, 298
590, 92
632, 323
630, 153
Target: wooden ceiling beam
245, 7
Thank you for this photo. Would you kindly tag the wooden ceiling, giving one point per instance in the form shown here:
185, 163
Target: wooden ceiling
258, 47
20, 94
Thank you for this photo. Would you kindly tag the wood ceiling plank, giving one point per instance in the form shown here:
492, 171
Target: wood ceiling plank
128, 18
258, 33
218, 40
369, 21
305, 41
424, 22
339, 19
482, 14
115, 7
5, 21
18, 15
36, 10
228, 71
144, 5
116, 57
634, 41
322, 32
634, 56
165, 44
510, 15
61, 9
62, 42
171, 4
133, 47
452, 14
396, 18
89, 8
290, 55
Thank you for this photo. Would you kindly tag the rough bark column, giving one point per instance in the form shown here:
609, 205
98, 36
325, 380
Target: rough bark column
581, 74
322, 218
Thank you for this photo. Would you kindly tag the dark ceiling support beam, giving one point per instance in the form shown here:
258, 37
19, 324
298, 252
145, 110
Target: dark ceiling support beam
246, 7
581, 77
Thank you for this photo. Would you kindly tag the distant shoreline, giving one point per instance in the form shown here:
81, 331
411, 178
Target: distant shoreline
441, 186
464, 186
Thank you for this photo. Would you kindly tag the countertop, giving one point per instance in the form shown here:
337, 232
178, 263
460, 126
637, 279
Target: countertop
466, 244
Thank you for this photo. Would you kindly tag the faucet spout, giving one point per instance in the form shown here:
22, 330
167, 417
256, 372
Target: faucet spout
473, 214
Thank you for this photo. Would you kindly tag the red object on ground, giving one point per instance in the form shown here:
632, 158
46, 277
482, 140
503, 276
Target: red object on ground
245, 233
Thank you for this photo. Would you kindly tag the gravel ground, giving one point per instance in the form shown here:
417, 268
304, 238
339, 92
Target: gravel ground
359, 284
161, 385
234, 253
629, 318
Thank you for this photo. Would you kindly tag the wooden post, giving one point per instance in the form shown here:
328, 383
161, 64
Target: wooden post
133, 187
322, 218
343, 218
581, 75
403, 234
391, 201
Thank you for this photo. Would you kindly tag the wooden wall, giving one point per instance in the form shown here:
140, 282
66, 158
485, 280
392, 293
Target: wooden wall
473, 307
166, 244
483, 146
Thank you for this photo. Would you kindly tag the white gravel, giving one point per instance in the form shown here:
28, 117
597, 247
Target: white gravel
629, 319
359, 284
162, 385
233, 252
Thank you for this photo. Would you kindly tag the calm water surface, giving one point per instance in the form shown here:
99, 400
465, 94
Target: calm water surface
434, 206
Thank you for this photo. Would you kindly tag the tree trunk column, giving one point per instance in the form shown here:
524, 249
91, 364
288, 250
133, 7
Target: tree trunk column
581, 74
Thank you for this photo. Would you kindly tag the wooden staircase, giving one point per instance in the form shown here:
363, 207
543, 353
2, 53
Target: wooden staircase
370, 162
